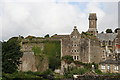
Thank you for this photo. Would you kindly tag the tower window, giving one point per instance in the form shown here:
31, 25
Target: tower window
91, 23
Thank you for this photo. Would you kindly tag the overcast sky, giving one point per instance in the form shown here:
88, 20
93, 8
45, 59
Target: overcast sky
41, 17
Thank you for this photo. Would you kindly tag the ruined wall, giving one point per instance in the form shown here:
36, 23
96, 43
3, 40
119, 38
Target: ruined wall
28, 62
32, 61
39, 54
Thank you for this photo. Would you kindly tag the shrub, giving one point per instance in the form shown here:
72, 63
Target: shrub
98, 71
68, 59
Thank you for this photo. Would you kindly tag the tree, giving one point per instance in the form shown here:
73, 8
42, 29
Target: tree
109, 31
11, 55
116, 30
47, 36
30, 37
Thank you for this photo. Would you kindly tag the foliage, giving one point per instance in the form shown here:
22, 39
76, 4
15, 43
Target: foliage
79, 63
30, 37
47, 36
75, 71
36, 50
116, 30
27, 75
11, 55
109, 31
89, 65
86, 33
68, 59
98, 71
20, 75
52, 50
48, 72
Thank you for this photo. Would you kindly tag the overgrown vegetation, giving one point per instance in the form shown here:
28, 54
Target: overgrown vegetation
53, 50
75, 71
11, 55
37, 50
68, 59
28, 75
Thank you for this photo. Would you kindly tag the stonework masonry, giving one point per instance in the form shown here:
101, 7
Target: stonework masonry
82, 47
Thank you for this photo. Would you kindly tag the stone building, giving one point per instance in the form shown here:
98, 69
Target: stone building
83, 48
31, 62
86, 47
86, 50
93, 24
110, 66
112, 63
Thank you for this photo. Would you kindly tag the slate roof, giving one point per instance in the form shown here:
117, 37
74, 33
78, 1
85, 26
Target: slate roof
109, 61
106, 36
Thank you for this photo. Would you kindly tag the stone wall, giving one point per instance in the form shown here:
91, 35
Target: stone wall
30, 61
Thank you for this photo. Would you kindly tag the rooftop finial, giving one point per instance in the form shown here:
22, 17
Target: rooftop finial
75, 27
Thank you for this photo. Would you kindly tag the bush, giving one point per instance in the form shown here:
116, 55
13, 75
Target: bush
53, 50
98, 71
68, 59
69, 74
48, 72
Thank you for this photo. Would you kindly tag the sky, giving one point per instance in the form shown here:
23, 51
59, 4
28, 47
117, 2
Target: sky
41, 17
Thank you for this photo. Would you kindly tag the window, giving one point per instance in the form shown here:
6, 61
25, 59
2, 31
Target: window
74, 44
108, 67
75, 50
77, 57
73, 36
72, 50
102, 67
103, 43
116, 68
109, 43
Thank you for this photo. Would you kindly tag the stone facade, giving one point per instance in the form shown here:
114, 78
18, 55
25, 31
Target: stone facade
86, 50
93, 24
83, 47
110, 66
31, 62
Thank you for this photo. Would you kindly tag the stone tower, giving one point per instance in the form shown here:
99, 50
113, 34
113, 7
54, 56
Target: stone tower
93, 24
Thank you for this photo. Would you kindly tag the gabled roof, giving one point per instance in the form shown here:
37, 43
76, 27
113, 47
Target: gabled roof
75, 31
106, 36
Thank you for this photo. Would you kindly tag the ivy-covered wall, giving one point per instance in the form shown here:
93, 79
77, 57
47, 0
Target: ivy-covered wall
51, 51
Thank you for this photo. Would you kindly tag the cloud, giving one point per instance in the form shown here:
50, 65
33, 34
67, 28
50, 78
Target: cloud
33, 17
